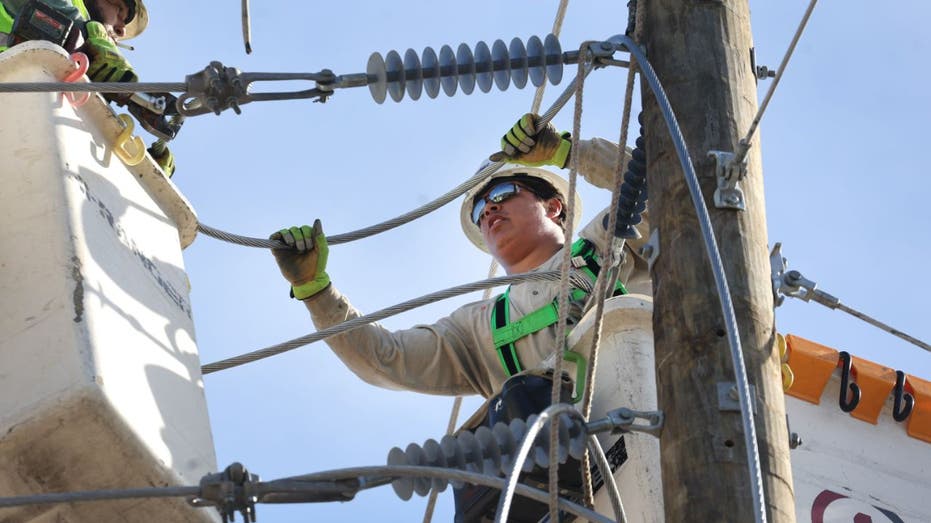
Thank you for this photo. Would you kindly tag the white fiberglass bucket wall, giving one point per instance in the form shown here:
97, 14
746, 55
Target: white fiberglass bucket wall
851, 470
100, 383
625, 377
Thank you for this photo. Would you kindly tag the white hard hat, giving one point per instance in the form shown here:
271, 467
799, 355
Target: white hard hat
137, 25
474, 234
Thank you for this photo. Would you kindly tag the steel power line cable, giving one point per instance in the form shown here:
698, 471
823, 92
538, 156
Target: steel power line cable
274, 350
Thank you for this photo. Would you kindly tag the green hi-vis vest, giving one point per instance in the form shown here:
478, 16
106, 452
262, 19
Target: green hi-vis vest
6, 19
504, 332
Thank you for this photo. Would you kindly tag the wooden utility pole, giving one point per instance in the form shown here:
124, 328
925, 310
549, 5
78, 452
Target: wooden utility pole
700, 50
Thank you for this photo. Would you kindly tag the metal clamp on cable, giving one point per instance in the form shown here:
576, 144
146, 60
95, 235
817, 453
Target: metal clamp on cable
229, 491
792, 283
218, 88
623, 420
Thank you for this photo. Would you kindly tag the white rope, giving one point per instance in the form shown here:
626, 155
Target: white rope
557, 27
564, 289
493, 268
457, 405
609, 273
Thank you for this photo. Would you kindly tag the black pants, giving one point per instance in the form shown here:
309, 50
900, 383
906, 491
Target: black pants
520, 396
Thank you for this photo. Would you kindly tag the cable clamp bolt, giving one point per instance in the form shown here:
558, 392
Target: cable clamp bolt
794, 284
729, 397
229, 491
728, 195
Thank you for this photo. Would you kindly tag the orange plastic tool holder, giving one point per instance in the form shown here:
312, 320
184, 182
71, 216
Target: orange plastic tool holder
812, 364
919, 421
876, 383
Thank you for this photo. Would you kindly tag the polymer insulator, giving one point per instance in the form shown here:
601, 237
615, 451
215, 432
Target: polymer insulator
466, 67
633, 194
489, 451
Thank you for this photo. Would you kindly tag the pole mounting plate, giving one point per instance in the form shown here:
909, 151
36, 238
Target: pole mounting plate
728, 194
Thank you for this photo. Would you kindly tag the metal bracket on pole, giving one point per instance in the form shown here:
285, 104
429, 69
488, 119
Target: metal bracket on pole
729, 398
650, 249
728, 195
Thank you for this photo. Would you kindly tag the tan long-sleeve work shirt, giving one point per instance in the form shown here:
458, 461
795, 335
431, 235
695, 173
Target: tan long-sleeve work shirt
456, 354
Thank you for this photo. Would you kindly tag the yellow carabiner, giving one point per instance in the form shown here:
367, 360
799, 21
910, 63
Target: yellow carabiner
119, 147
788, 377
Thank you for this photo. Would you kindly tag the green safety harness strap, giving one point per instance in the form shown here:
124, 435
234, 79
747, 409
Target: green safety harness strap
6, 26
504, 332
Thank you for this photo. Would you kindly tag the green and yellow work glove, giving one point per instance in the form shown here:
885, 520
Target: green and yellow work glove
523, 145
304, 262
163, 157
107, 62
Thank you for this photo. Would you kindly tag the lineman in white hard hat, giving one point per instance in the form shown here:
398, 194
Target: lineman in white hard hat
523, 229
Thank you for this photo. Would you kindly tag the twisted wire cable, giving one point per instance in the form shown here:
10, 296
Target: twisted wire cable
379, 315
369, 477
744, 144
876, 323
407, 217
456, 475
98, 495
99, 87
596, 450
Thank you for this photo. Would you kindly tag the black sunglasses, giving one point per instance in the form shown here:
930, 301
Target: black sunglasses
497, 194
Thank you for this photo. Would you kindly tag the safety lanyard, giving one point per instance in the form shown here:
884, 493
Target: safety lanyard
504, 332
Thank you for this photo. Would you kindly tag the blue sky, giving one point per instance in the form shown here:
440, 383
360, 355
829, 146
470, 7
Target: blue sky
845, 180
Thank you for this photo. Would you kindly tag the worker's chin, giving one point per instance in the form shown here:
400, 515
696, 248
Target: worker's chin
498, 243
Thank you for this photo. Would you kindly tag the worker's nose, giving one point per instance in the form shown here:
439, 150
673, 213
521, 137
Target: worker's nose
490, 207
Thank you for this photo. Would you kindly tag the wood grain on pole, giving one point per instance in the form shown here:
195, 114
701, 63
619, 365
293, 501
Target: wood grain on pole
700, 50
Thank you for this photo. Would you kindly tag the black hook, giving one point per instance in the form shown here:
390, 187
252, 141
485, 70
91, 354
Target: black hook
845, 383
899, 413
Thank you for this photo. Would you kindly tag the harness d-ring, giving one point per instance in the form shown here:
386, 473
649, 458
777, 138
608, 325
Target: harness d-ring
82, 62
845, 383
119, 146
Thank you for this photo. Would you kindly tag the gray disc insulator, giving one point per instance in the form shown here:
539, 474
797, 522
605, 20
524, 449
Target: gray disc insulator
465, 68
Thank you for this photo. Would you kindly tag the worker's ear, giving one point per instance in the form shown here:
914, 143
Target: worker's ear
553, 208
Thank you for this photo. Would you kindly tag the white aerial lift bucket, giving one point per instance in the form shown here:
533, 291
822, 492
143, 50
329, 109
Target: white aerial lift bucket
100, 383
625, 377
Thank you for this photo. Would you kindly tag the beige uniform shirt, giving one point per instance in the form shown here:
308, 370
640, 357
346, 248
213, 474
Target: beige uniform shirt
456, 354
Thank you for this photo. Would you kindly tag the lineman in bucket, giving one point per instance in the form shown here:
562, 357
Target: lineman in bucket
518, 216
95, 28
